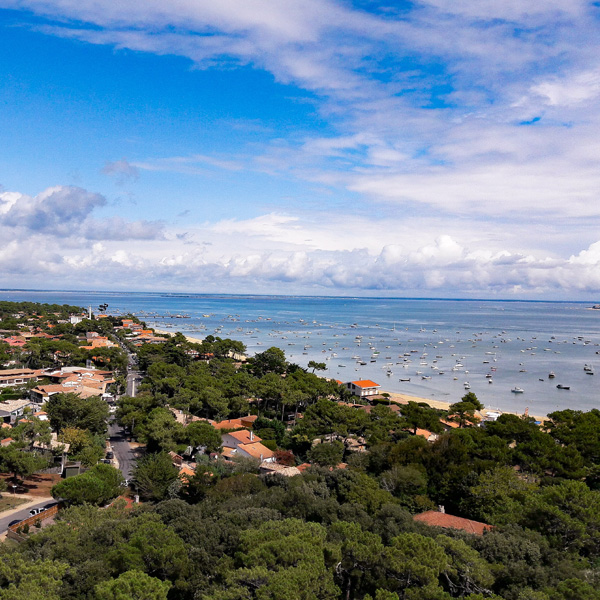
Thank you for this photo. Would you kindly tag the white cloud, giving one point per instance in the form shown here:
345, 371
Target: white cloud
462, 137
276, 253
570, 90
66, 212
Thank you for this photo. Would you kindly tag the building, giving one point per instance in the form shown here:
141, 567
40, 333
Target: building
435, 518
84, 382
11, 410
12, 377
363, 388
246, 443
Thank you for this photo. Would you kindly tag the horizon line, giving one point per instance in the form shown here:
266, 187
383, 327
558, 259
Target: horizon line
352, 297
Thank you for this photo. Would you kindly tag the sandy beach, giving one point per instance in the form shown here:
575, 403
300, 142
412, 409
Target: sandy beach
189, 338
440, 405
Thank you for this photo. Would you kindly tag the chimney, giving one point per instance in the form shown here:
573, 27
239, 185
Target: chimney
441, 508
251, 435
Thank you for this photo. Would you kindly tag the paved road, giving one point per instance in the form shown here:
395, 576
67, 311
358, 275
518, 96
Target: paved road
21, 513
133, 380
123, 453
118, 435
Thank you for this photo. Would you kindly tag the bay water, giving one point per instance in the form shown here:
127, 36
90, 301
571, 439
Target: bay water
421, 347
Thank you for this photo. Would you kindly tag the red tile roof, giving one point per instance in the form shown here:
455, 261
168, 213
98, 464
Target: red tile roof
439, 519
244, 436
365, 383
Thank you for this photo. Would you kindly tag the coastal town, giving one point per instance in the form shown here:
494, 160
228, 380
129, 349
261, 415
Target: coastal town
103, 413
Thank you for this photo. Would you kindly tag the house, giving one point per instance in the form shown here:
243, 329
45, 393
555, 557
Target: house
273, 468
363, 388
428, 435
83, 382
435, 518
245, 443
10, 377
15, 341
11, 410
242, 422
185, 473
94, 340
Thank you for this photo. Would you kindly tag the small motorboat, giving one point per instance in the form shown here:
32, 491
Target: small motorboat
551, 375
517, 390
563, 387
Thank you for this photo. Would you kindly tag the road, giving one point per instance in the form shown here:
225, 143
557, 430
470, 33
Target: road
123, 453
118, 435
133, 380
22, 513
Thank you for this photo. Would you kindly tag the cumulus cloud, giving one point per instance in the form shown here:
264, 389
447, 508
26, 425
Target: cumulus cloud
219, 257
447, 115
66, 212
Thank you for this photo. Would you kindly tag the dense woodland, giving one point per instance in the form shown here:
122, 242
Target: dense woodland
229, 533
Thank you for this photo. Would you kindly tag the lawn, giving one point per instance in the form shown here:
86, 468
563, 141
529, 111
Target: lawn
7, 502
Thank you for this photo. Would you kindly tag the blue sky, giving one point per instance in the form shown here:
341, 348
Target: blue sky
436, 148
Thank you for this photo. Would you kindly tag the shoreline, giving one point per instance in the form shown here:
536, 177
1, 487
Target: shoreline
399, 398
189, 338
396, 397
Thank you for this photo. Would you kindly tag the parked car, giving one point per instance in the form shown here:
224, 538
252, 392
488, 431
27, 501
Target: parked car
50, 505
36, 511
14, 522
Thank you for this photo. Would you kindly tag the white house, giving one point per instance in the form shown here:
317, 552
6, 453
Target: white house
363, 388
246, 443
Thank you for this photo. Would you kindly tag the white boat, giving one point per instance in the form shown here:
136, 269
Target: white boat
517, 390
467, 385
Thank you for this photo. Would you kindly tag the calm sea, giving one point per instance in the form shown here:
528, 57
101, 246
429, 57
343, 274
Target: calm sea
440, 345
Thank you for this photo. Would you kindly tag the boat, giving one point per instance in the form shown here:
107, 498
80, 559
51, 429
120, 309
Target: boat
551, 375
467, 385
517, 390
563, 387
404, 378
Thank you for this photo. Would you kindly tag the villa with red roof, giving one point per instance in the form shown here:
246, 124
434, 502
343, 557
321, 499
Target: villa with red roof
246, 443
434, 518
363, 388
